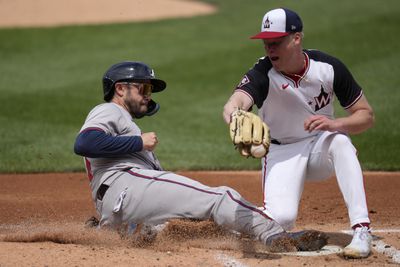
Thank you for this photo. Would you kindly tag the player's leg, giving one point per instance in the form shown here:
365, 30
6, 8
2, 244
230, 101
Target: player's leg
283, 181
334, 151
153, 197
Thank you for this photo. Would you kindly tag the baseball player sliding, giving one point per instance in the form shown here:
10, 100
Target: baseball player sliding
129, 185
293, 89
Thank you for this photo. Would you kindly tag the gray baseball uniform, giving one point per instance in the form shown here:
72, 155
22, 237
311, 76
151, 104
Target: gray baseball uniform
133, 188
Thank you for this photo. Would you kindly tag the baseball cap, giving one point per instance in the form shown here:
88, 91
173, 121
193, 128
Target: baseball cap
278, 23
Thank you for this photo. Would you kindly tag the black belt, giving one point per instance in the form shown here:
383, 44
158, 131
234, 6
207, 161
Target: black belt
101, 191
276, 142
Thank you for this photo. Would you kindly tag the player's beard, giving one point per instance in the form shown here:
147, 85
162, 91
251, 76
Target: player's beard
136, 108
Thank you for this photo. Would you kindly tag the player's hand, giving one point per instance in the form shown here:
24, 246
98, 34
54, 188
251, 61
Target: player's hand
149, 141
321, 123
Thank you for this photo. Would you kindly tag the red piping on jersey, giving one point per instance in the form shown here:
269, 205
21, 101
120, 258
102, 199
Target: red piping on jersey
243, 91
88, 169
297, 77
355, 101
87, 162
169, 181
248, 207
92, 129
201, 190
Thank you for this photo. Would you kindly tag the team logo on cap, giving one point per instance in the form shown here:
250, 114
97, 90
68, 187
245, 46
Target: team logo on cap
267, 24
322, 100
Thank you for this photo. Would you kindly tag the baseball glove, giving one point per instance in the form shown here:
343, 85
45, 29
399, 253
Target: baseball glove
249, 134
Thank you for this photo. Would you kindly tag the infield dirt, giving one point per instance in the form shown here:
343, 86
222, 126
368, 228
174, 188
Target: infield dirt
47, 13
42, 223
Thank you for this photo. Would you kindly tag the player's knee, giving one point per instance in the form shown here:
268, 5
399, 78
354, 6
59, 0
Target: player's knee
340, 143
340, 140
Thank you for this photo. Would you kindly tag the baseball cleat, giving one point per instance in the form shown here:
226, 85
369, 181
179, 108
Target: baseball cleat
307, 240
360, 246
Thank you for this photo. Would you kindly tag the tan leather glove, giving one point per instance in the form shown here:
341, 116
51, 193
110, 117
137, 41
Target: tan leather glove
249, 134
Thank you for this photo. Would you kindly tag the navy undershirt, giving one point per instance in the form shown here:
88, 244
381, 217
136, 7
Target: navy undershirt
97, 144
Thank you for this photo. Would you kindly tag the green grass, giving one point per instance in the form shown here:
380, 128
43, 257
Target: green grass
51, 78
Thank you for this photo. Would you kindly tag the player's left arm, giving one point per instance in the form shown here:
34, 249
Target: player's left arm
360, 118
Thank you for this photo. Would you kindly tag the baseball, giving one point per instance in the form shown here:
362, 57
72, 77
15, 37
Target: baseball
258, 151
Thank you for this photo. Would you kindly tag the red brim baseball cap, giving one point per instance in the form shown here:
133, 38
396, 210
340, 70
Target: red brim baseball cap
278, 23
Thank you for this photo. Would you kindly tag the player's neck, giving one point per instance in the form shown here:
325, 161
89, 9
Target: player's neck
298, 66
120, 102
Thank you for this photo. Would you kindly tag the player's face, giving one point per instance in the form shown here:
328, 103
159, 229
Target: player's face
280, 51
137, 97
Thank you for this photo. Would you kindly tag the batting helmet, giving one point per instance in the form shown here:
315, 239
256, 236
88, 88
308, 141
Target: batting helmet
131, 71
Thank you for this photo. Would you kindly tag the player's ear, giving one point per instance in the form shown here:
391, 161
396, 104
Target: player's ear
119, 89
298, 36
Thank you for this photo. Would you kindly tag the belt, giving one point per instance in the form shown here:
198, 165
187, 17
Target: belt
101, 191
276, 142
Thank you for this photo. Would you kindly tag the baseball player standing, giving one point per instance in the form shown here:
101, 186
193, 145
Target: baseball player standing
294, 90
129, 185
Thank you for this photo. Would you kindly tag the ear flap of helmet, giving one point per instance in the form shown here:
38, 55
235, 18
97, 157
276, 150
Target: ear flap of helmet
152, 108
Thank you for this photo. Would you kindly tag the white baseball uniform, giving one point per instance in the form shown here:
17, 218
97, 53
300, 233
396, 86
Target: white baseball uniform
285, 102
130, 186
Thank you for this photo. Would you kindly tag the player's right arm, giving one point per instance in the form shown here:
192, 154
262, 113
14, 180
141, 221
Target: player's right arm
360, 118
239, 99
95, 143
104, 135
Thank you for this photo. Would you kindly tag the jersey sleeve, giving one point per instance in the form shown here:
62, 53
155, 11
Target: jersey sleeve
105, 134
345, 86
107, 118
255, 82
94, 143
